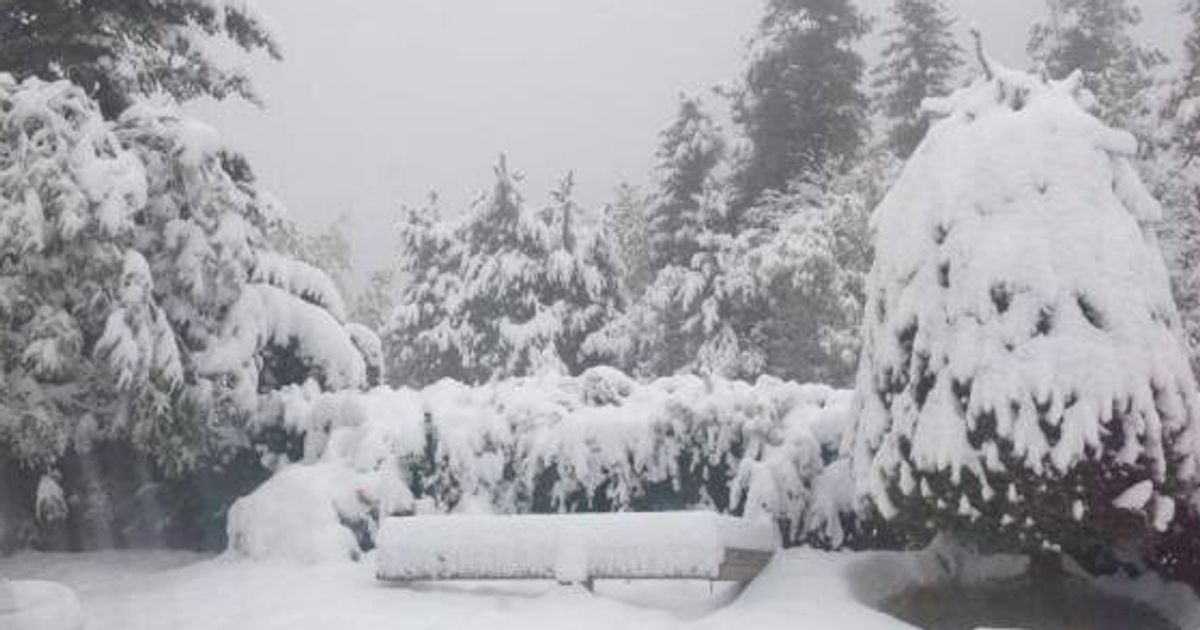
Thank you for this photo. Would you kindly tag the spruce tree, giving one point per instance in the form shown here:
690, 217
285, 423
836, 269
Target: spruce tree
919, 62
1093, 37
627, 222
800, 105
118, 50
689, 150
421, 340
1022, 382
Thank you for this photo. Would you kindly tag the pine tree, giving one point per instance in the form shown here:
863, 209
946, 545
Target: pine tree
376, 302
799, 104
1092, 36
421, 340
919, 62
583, 279
121, 49
799, 281
627, 221
1022, 384
68, 196
678, 323
690, 149
505, 292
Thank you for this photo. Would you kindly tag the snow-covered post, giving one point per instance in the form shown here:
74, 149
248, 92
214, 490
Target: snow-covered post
1023, 383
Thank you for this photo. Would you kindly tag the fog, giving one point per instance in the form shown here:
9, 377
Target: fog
379, 102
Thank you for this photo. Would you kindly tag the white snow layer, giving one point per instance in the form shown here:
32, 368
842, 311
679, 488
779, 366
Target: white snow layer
265, 314
38, 605
800, 588
569, 548
602, 431
1013, 258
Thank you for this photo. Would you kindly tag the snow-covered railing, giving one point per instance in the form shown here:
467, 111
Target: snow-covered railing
575, 548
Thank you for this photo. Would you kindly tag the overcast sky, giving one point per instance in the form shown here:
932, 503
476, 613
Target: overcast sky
379, 102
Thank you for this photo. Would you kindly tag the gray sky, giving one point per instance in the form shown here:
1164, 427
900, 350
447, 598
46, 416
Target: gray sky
378, 102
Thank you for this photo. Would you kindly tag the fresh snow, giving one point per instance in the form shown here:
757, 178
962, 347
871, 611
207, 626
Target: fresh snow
568, 547
154, 590
1018, 285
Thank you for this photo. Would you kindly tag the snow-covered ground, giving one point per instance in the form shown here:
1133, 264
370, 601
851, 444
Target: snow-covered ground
181, 591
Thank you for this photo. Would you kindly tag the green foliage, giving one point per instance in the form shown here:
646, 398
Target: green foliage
799, 104
919, 62
120, 49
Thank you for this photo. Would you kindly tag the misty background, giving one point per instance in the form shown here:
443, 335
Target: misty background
383, 101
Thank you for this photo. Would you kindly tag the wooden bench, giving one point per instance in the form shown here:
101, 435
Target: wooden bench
575, 548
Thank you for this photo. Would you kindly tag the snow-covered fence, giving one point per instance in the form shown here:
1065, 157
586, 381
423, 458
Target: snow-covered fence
600, 442
576, 548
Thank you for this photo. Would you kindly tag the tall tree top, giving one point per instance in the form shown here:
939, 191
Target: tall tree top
799, 104
1093, 36
121, 49
919, 62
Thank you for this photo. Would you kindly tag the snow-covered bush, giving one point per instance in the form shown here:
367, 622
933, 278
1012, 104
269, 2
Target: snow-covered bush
597, 442
1023, 381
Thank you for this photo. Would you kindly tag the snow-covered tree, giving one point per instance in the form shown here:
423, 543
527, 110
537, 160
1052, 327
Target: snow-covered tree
503, 292
919, 62
1175, 172
800, 104
121, 49
679, 321
1022, 382
1093, 37
689, 150
799, 280
583, 286
328, 249
376, 301
421, 342
627, 221
250, 318
68, 196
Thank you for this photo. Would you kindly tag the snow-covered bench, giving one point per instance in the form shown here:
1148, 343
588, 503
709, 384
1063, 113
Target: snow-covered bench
575, 548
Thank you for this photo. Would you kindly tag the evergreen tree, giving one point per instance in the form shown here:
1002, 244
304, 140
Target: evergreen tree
118, 50
919, 62
68, 196
1022, 384
376, 302
583, 282
690, 149
799, 104
421, 341
505, 292
678, 323
626, 221
799, 281
1092, 36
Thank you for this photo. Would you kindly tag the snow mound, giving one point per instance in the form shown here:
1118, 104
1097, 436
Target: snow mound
296, 516
568, 548
37, 605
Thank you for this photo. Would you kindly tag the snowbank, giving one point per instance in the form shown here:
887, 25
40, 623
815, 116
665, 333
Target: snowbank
598, 442
297, 515
38, 605
800, 588
567, 548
